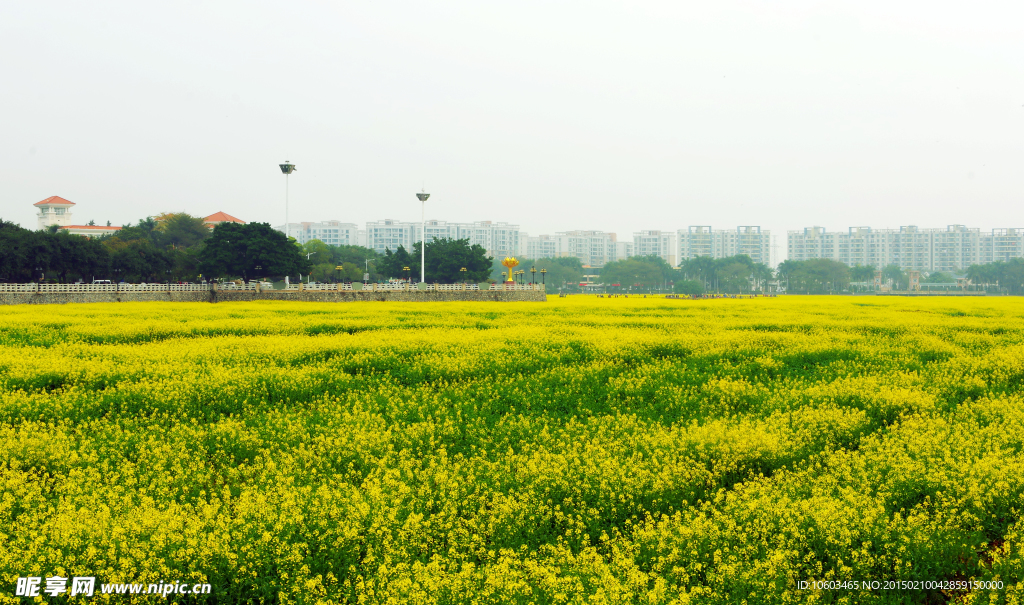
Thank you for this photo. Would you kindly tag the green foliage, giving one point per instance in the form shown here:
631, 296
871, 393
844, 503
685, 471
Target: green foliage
21, 251
1008, 275
582, 450
56, 252
897, 278
250, 251
445, 259
688, 287
180, 230
357, 255
639, 271
318, 252
734, 274
392, 264
817, 275
862, 273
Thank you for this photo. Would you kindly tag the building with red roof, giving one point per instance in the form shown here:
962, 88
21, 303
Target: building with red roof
221, 217
54, 210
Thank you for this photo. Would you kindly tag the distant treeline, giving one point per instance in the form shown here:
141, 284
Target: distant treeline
177, 247
180, 247
824, 275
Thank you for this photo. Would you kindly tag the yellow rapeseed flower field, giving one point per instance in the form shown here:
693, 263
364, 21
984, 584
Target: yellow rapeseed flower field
585, 450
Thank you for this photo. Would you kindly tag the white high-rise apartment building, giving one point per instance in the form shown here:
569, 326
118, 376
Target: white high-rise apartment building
334, 233
624, 250
593, 248
542, 246
389, 234
911, 248
655, 243
702, 240
1003, 244
498, 239
694, 241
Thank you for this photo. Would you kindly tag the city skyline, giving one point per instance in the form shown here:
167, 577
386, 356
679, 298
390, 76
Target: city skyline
539, 114
912, 247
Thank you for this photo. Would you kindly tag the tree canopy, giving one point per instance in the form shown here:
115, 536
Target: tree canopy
251, 250
1005, 274
816, 275
733, 274
445, 259
644, 272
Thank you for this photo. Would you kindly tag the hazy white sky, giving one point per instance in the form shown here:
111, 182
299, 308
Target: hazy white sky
557, 115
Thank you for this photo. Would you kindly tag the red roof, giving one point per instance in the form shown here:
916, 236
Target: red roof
53, 199
110, 228
222, 217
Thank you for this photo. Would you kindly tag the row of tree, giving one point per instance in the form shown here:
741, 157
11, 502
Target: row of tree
180, 247
824, 275
172, 247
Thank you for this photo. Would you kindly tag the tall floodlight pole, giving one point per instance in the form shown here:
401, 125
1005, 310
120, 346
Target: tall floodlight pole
423, 237
287, 168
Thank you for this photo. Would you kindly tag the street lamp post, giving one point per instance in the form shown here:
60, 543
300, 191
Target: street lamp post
543, 273
287, 168
407, 271
533, 276
462, 272
422, 196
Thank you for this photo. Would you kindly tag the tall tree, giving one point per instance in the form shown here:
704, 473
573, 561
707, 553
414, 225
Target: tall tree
447, 256
641, 272
862, 273
21, 251
180, 230
249, 251
897, 277
392, 264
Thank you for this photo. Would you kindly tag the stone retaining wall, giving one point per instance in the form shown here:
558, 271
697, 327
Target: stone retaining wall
58, 298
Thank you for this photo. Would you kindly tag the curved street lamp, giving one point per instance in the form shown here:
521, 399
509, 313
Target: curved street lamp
422, 197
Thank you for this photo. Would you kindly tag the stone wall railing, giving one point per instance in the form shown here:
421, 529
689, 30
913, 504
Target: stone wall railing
63, 288
258, 287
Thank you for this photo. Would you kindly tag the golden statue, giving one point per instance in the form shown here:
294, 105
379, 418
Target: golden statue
510, 263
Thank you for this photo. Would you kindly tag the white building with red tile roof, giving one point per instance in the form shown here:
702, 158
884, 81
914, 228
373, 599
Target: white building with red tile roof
54, 210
